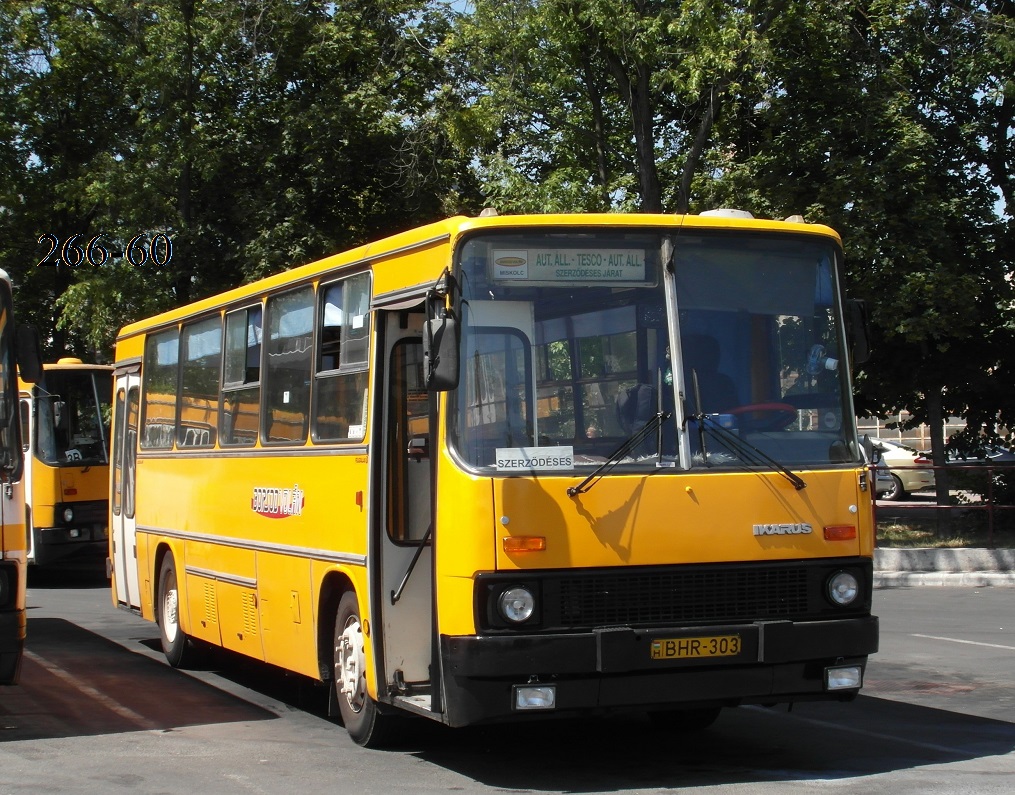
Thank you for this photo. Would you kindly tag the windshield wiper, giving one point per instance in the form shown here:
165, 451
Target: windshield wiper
745, 450
620, 453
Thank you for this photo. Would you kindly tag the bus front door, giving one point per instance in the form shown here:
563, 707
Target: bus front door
405, 541
123, 527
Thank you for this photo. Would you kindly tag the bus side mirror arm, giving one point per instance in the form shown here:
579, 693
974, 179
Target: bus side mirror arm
29, 352
440, 353
441, 337
858, 330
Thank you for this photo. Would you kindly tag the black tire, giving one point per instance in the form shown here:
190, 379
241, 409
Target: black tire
898, 491
361, 715
685, 720
176, 644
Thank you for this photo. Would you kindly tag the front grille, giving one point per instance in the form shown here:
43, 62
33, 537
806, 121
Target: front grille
672, 596
677, 597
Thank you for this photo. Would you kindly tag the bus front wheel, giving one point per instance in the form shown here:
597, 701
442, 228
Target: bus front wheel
175, 644
360, 713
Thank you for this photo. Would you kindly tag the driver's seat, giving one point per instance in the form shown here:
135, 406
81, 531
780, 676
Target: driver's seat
701, 356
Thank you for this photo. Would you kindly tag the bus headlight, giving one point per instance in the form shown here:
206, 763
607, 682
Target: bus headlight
68, 515
844, 677
843, 588
516, 604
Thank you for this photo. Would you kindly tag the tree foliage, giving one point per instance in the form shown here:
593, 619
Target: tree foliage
891, 121
257, 135
260, 134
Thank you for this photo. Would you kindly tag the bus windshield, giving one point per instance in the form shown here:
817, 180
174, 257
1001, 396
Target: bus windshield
571, 342
72, 425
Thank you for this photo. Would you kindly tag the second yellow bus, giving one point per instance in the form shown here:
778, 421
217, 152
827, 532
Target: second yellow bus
65, 422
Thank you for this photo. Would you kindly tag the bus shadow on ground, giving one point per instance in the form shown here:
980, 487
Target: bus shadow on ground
76, 683
822, 741
814, 742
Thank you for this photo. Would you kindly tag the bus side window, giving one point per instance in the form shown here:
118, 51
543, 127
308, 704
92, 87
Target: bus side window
201, 348
342, 367
241, 387
290, 318
158, 407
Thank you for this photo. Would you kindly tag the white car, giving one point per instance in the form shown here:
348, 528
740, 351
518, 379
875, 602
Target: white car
910, 469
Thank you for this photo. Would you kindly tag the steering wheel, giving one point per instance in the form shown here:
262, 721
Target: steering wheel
764, 416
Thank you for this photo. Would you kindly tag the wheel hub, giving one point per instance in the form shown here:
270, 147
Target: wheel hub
350, 665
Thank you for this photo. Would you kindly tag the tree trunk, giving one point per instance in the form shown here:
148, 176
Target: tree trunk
936, 426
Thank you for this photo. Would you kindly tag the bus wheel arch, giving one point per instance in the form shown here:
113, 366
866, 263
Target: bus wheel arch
364, 719
178, 647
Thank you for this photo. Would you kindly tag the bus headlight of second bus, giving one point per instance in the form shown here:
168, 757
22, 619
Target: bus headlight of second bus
516, 604
843, 588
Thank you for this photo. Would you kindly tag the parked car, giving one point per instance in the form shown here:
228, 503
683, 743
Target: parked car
987, 455
969, 472
910, 470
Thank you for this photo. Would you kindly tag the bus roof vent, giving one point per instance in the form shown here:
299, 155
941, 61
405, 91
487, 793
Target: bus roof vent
795, 219
726, 212
69, 360
488, 212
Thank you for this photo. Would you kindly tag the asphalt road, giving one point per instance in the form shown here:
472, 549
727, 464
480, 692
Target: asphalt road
99, 711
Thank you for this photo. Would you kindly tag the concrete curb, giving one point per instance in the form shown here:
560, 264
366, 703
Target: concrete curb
899, 568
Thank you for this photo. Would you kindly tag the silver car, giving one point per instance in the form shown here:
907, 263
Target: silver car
910, 470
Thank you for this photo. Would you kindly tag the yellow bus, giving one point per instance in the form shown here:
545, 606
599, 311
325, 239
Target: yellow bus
502, 468
65, 422
18, 349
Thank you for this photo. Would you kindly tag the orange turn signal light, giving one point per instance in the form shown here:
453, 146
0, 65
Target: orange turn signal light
840, 532
524, 543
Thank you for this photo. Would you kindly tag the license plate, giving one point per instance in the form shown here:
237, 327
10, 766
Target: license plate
694, 648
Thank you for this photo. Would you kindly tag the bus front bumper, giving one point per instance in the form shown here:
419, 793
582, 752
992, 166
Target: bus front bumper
623, 668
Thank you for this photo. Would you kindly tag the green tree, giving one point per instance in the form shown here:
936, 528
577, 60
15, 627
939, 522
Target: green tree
60, 115
255, 135
601, 104
879, 127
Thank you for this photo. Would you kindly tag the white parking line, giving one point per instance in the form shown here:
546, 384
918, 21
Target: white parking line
124, 712
967, 642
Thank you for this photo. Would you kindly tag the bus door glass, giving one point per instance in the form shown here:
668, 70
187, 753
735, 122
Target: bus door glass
124, 523
406, 551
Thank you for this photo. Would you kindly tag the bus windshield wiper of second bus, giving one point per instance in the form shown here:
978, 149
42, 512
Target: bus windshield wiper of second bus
744, 450
620, 453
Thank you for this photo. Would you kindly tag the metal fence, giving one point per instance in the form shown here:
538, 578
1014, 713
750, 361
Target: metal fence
996, 496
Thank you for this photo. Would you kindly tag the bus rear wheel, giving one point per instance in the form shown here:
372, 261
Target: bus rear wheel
361, 715
176, 645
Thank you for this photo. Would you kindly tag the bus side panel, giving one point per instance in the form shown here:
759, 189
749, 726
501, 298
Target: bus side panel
145, 565
206, 565
252, 526
287, 612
